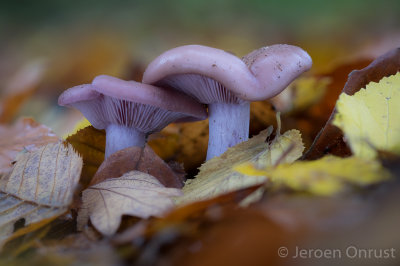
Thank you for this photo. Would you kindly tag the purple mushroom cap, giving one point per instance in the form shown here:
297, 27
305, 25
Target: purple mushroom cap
227, 83
130, 110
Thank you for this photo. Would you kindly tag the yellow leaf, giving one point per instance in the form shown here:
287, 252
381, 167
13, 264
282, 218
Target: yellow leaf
90, 144
81, 124
39, 189
326, 176
217, 175
135, 193
369, 118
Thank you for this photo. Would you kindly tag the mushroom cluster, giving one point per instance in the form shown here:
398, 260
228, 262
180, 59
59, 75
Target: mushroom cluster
177, 85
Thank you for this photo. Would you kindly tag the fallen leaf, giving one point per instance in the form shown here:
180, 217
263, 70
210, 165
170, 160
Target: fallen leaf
135, 193
369, 118
81, 124
217, 175
180, 215
39, 189
90, 144
25, 134
330, 138
326, 176
140, 159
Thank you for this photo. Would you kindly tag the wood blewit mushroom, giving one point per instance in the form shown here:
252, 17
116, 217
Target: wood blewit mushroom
129, 110
227, 84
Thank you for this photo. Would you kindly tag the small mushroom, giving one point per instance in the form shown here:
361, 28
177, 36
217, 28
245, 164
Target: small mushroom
227, 84
129, 110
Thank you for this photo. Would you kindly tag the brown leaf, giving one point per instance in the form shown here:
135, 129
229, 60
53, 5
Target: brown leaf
262, 115
208, 233
39, 189
184, 142
140, 159
19, 88
181, 215
330, 139
90, 144
24, 134
135, 193
225, 236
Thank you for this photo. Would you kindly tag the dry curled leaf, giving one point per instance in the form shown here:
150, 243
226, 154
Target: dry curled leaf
39, 189
217, 175
140, 159
25, 134
135, 193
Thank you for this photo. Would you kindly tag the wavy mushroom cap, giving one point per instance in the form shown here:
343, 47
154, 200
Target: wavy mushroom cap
213, 75
110, 100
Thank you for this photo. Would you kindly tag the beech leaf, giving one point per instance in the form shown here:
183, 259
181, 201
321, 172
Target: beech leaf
369, 118
326, 176
25, 134
217, 176
135, 193
39, 189
90, 144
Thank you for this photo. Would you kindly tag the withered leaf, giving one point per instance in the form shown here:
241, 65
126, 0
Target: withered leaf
330, 139
182, 214
39, 189
26, 134
135, 193
90, 144
327, 176
140, 159
217, 176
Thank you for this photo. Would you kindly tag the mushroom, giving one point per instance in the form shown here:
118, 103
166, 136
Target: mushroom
129, 110
227, 84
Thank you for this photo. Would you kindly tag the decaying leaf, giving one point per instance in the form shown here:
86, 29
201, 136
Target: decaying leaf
39, 189
135, 193
217, 175
369, 118
140, 159
90, 144
326, 176
25, 134
330, 139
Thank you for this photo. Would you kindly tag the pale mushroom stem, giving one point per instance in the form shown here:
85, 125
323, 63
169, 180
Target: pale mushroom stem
228, 126
121, 137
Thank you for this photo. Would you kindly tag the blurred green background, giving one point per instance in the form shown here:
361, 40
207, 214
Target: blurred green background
77, 40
